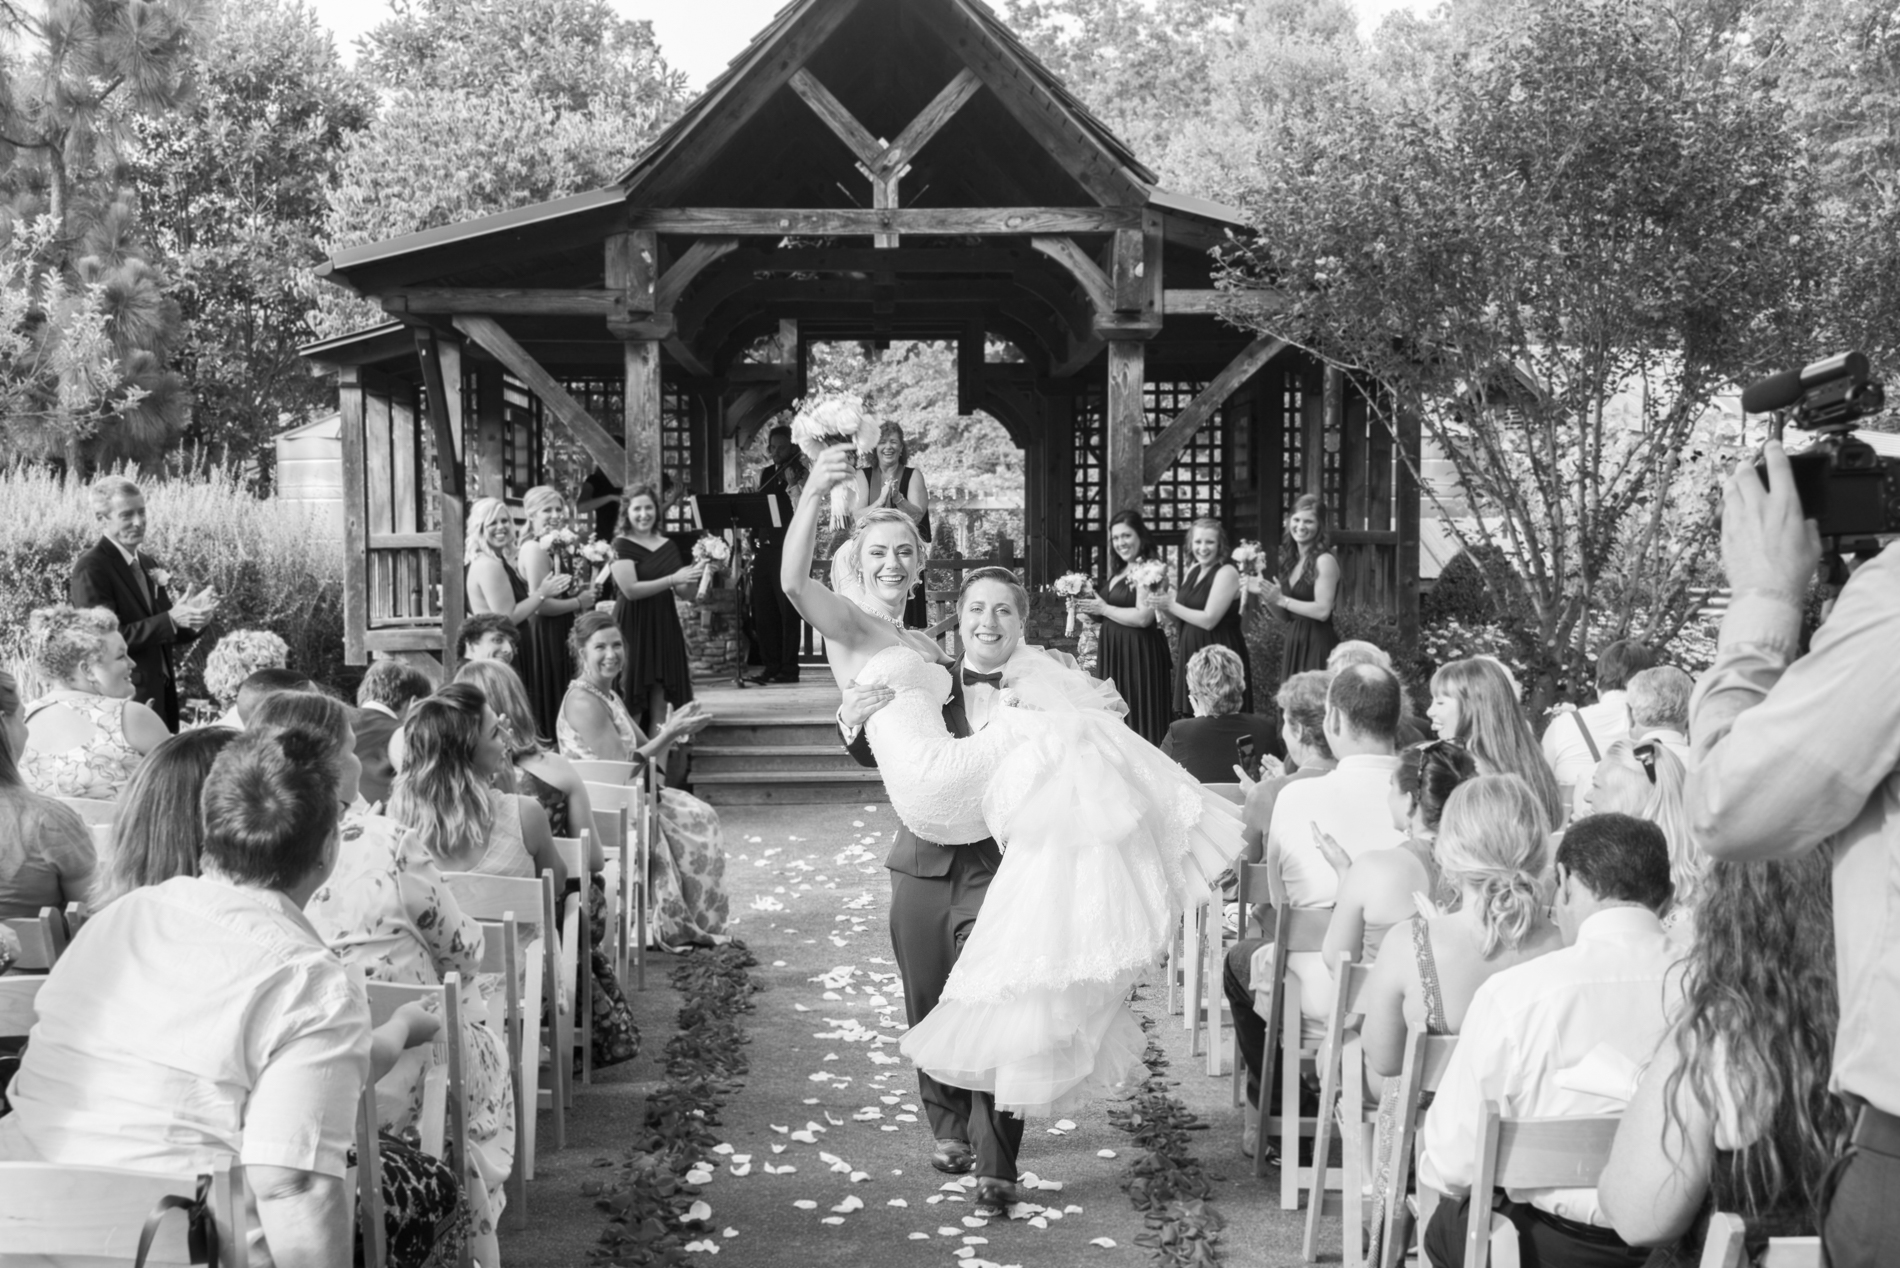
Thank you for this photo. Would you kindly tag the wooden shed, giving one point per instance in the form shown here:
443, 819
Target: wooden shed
310, 468
865, 170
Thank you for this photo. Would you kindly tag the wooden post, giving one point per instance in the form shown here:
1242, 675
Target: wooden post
970, 363
349, 393
1058, 456
490, 478
642, 413
884, 198
1406, 517
1127, 429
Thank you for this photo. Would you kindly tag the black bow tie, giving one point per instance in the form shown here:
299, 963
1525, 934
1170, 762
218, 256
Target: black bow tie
971, 678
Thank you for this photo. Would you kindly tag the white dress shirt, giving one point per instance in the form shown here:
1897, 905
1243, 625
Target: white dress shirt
1791, 756
1567, 751
196, 1019
1564, 1035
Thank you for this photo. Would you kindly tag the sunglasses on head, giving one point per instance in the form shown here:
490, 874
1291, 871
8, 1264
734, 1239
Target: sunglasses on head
1645, 753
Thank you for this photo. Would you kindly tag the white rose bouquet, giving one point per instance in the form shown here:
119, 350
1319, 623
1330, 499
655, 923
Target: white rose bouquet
1251, 559
1072, 586
558, 539
829, 421
597, 552
714, 552
1151, 579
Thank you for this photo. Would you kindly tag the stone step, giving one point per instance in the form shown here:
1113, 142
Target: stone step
710, 758
816, 731
794, 788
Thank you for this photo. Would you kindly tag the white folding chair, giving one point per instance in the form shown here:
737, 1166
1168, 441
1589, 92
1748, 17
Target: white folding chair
600, 772
576, 948
1531, 1153
610, 829
501, 954
69, 1214
442, 1124
1341, 1066
1723, 1247
1426, 1057
19, 993
641, 822
96, 812
42, 939
102, 839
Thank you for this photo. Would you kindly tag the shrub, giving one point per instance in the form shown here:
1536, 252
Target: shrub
275, 567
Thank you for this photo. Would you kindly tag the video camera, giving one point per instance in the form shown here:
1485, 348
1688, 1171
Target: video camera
1850, 491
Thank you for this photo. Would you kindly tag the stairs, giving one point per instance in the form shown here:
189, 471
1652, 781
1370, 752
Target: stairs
778, 759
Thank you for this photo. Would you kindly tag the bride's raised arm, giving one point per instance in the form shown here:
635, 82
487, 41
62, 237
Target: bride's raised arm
838, 619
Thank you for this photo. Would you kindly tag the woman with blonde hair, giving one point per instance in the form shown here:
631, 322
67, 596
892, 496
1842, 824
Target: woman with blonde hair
648, 571
1493, 849
235, 657
87, 735
551, 548
1647, 780
1207, 606
1474, 701
890, 482
495, 585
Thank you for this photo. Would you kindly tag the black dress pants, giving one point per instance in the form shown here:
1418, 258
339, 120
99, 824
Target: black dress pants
1861, 1227
1543, 1240
779, 627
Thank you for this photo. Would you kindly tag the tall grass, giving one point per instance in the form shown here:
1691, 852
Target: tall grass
275, 566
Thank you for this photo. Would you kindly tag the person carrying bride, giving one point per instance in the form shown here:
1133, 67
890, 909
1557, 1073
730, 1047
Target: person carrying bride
1103, 838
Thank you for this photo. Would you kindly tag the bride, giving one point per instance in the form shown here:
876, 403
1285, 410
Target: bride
1104, 839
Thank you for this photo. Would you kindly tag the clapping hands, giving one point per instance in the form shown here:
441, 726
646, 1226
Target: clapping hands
195, 610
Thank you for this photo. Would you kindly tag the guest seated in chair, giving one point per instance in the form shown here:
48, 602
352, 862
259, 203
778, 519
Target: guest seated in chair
232, 660
1205, 744
87, 735
383, 698
46, 854
158, 833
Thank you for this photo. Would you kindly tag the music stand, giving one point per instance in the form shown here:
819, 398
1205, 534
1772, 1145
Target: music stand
766, 514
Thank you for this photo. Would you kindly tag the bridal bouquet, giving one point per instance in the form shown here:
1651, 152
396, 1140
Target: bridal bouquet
829, 421
1071, 586
1252, 562
714, 552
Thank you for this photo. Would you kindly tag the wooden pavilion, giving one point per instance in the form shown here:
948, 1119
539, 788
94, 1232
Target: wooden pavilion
865, 170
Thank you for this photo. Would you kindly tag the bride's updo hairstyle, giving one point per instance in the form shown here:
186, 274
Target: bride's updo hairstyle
1494, 841
847, 570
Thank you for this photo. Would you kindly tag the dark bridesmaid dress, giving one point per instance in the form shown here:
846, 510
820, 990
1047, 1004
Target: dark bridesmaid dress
656, 648
1136, 659
1226, 632
546, 667
1308, 642
917, 607
530, 655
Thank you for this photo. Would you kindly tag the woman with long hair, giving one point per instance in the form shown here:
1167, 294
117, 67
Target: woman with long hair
890, 481
1207, 606
87, 735
1648, 780
1734, 1114
495, 585
1474, 702
648, 570
550, 548
1493, 849
551, 779
686, 877
1307, 587
1134, 650
46, 854
158, 833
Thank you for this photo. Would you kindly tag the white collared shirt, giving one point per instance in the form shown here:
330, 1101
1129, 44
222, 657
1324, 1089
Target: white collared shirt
197, 1019
1567, 751
1564, 1035
131, 557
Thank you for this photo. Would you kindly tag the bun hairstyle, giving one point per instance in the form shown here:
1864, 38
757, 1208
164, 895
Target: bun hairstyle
847, 570
66, 638
1494, 839
1429, 773
270, 807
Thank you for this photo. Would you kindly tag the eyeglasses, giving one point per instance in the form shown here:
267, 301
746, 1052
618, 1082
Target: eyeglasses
1646, 754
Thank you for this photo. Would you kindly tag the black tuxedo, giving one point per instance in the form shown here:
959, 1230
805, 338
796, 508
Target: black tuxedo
774, 619
936, 893
373, 728
102, 579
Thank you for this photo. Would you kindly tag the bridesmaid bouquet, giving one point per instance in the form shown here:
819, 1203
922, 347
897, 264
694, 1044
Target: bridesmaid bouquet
714, 553
1071, 586
1150, 576
559, 539
1251, 560
597, 552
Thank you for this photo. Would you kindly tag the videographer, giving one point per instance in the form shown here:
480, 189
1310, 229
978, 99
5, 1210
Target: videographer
1794, 755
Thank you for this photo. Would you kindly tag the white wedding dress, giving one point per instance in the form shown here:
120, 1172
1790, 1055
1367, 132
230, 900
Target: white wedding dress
1104, 840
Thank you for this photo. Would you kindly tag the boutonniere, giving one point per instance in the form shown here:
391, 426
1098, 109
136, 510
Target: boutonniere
159, 576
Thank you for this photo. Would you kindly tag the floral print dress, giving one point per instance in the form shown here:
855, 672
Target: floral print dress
686, 876
387, 909
98, 769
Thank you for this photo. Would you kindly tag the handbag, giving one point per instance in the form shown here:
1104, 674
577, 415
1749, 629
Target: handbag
201, 1234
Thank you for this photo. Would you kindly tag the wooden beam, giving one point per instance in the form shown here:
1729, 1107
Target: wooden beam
1127, 428
523, 302
351, 421
778, 222
641, 404
490, 401
606, 452
1200, 302
689, 266
1166, 447
633, 269
449, 470
867, 260
884, 199
1407, 507
1082, 353
687, 359
929, 121
841, 121
1086, 272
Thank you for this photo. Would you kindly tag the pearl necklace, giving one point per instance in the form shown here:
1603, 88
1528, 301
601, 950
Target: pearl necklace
865, 605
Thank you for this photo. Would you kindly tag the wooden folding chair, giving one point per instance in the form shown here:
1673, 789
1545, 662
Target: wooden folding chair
42, 939
610, 826
642, 821
1723, 1247
77, 914
576, 947
442, 1125
96, 812
501, 954
1530, 1153
1204, 948
594, 771
500, 897
1426, 1057
1341, 1049
19, 993
96, 1214
103, 838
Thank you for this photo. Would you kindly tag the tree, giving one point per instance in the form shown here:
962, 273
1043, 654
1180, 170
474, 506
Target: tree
233, 185
1556, 252
78, 74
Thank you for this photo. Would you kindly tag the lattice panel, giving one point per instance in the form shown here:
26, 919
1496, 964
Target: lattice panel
1193, 487
1091, 461
1292, 436
676, 454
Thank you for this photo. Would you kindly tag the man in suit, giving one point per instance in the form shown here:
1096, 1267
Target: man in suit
774, 619
117, 574
937, 890
388, 688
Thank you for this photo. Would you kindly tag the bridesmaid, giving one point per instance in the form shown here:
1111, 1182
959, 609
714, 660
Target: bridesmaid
1309, 582
1134, 653
647, 568
494, 585
543, 556
890, 480
1207, 609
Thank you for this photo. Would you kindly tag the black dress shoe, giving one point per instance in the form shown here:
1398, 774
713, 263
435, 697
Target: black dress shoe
953, 1158
994, 1196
